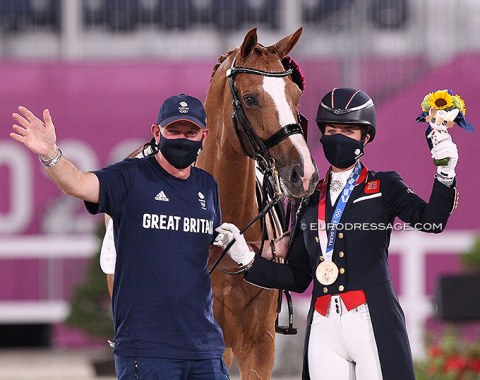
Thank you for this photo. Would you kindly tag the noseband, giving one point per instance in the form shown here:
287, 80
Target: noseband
252, 145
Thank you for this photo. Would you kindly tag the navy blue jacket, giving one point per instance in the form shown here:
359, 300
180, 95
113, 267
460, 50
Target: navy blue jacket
362, 250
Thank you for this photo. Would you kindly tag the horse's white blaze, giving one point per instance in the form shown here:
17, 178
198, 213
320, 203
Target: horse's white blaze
308, 165
275, 87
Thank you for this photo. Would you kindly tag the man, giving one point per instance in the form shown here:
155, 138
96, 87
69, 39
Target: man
356, 327
164, 213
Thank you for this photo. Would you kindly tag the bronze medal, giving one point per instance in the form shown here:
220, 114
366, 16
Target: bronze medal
327, 272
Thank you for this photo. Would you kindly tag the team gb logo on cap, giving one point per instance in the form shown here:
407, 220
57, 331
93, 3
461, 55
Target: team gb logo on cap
183, 107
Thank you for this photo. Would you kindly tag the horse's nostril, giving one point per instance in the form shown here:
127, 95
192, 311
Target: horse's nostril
296, 175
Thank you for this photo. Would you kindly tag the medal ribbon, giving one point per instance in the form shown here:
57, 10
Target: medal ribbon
327, 242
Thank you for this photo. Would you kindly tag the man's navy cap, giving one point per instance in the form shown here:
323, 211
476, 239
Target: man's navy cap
182, 107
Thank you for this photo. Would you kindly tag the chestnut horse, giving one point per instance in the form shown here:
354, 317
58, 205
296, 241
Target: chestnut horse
267, 99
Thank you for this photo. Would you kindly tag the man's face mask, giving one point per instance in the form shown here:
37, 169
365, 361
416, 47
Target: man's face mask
181, 152
341, 151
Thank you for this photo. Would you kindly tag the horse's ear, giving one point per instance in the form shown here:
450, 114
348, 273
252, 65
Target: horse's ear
249, 43
285, 45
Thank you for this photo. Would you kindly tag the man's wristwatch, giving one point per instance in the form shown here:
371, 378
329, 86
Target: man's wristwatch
51, 162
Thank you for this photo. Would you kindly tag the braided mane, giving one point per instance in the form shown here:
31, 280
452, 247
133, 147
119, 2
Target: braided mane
221, 58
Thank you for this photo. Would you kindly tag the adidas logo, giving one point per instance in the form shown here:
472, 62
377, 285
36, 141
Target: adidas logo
161, 197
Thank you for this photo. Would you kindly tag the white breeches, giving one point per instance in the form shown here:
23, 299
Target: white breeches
342, 345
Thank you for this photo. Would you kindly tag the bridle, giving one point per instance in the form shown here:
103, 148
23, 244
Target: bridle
258, 149
252, 145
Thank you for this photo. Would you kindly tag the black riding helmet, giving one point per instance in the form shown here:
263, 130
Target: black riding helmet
347, 106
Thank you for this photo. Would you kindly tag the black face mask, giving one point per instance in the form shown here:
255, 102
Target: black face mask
341, 151
180, 153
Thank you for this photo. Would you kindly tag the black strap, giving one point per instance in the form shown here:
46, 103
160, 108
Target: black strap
282, 134
289, 330
242, 231
285, 330
256, 147
298, 214
234, 70
288, 215
252, 145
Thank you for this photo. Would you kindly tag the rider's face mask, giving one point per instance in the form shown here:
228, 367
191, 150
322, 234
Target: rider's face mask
341, 151
181, 152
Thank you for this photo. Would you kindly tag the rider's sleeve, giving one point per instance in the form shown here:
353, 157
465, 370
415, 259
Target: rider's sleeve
294, 275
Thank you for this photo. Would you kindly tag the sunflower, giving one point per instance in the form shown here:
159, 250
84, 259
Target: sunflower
460, 104
439, 100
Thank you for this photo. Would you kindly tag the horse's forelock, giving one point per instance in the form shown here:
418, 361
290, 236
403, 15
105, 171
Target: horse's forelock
261, 58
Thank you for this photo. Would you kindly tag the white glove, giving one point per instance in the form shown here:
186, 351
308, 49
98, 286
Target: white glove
443, 147
239, 251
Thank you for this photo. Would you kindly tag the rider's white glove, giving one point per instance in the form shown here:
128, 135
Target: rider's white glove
239, 251
444, 147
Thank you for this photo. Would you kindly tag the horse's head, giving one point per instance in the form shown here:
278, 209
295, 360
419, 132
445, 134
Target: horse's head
265, 98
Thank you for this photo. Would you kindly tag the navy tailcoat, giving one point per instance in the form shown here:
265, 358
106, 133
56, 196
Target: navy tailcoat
361, 249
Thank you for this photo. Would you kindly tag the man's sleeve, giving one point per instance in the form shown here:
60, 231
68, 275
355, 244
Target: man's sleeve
115, 181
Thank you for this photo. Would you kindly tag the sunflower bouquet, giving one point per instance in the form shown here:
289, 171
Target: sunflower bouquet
441, 110
443, 100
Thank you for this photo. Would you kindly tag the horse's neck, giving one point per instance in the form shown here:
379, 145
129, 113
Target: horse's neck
235, 174
222, 158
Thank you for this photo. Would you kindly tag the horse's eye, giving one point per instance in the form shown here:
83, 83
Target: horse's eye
444, 123
250, 101
434, 120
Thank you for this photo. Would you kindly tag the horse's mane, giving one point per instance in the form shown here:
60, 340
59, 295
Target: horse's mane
221, 59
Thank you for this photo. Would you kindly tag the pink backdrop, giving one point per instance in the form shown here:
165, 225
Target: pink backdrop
102, 104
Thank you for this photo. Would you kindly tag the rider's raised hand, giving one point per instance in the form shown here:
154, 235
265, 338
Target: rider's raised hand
35, 134
442, 149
